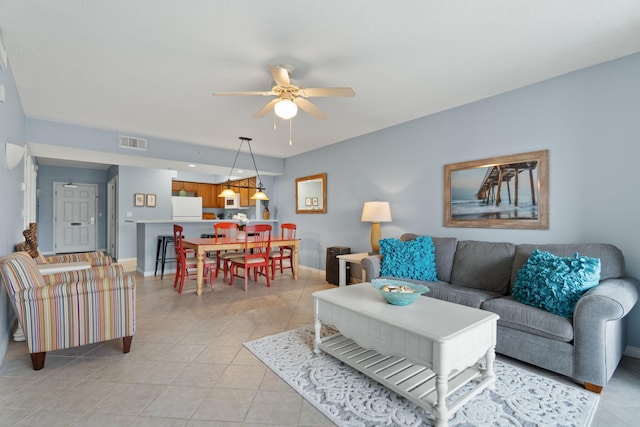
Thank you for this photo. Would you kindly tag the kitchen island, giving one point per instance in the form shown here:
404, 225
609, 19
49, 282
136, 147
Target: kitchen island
147, 232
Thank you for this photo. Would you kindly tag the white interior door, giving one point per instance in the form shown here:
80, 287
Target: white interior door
75, 217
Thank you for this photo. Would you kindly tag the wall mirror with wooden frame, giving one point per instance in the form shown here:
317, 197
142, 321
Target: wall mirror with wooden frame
311, 194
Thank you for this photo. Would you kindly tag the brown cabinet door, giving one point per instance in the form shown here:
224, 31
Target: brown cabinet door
217, 202
176, 186
191, 187
252, 190
204, 191
244, 192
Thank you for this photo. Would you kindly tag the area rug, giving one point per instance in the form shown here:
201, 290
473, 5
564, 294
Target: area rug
349, 398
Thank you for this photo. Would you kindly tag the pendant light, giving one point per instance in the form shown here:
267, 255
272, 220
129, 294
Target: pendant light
228, 192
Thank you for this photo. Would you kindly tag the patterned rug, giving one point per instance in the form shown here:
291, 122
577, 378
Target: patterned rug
350, 398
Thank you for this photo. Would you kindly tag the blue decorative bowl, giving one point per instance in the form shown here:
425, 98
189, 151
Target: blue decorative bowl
386, 288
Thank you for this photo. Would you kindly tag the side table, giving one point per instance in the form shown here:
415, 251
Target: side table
342, 265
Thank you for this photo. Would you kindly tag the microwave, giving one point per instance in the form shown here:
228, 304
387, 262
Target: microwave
232, 202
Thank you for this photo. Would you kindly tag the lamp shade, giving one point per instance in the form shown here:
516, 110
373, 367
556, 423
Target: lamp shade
227, 193
259, 195
286, 109
376, 212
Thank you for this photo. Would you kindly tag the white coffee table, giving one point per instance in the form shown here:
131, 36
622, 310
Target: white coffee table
424, 351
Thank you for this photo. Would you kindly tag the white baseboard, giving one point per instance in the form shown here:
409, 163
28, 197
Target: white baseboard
632, 352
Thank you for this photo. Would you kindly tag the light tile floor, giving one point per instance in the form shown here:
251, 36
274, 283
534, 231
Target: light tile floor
187, 366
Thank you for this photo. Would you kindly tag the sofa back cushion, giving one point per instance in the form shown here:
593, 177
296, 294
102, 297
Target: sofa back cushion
18, 272
483, 265
445, 250
611, 258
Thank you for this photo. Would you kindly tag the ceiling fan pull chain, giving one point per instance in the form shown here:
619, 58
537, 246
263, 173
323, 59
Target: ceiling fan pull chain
290, 132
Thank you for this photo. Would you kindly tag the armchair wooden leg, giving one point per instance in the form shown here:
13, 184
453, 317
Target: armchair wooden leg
593, 388
37, 360
126, 344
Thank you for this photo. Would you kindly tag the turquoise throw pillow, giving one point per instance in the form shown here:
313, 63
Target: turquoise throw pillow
553, 283
415, 259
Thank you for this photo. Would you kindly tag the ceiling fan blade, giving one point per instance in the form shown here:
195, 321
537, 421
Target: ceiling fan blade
264, 110
259, 93
337, 92
309, 108
280, 76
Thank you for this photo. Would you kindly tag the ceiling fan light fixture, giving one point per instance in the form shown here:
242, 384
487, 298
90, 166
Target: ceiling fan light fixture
286, 109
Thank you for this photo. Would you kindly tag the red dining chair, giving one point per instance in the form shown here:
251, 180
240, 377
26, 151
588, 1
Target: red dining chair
225, 231
184, 262
278, 255
257, 247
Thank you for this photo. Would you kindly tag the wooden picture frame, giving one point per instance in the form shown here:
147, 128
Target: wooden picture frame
138, 200
311, 194
151, 200
498, 192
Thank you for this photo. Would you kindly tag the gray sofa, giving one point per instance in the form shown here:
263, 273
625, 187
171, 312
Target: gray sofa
479, 274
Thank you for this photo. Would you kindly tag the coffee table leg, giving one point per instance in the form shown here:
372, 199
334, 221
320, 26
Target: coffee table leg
490, 357
441, 410
317, 325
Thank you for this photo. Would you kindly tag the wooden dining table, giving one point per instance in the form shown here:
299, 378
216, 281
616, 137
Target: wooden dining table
203, 245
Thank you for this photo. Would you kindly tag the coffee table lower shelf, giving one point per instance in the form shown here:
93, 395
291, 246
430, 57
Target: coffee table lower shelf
414, 382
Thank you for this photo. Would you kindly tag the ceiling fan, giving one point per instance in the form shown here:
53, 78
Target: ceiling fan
290, 97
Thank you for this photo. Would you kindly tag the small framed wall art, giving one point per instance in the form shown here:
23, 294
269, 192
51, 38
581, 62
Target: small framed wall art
151, 200
138, 200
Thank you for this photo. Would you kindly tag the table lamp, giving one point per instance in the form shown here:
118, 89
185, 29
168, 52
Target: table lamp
376, 212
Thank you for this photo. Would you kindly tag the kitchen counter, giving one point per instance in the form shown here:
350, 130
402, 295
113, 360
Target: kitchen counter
147, 232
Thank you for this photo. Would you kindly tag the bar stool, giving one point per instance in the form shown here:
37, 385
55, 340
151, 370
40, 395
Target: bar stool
161, 253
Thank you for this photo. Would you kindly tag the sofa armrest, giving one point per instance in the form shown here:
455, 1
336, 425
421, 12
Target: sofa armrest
599, 332
84, 275
371, 265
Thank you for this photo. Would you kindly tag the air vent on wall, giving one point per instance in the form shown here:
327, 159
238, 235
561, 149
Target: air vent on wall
133, 142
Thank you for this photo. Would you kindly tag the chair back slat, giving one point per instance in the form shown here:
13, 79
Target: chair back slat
259, 236
225, 230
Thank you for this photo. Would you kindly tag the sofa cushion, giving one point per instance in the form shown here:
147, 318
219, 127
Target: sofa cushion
414, 259
483, 265
529, 319
445, 250
611, 258
555, 283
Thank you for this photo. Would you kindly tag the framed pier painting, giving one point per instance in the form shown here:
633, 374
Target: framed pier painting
498, 192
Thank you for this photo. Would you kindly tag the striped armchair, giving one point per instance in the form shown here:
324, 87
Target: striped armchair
62, 315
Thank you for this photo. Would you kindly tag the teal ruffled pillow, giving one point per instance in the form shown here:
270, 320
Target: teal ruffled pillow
553, 283
414, 259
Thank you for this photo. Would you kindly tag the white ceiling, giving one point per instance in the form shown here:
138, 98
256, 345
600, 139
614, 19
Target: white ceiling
149, 67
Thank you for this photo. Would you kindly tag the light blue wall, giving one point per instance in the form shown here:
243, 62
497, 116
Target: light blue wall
11, 130
47, 177
589, 120
139, 180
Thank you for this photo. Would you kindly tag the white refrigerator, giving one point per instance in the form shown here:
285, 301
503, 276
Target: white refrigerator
186, 208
